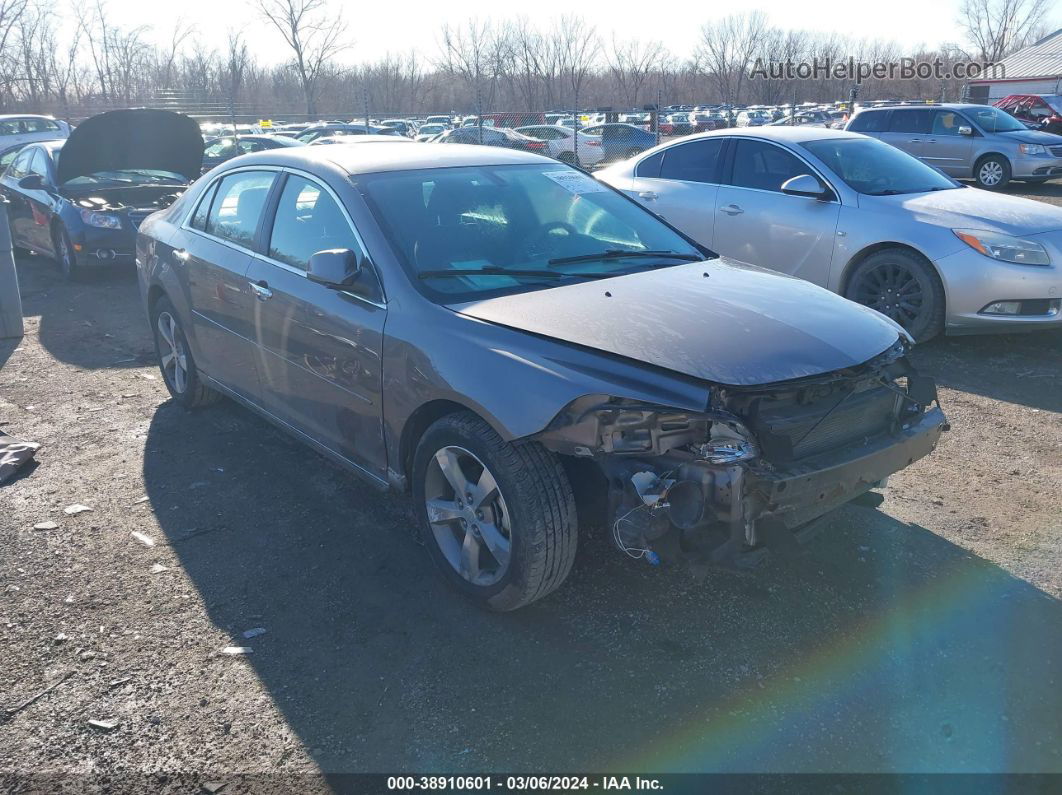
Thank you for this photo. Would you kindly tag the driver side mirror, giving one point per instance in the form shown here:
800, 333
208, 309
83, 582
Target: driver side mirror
964, 130
806, 185
335, 268
31, 182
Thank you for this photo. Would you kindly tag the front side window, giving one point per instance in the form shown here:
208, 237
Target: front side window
40, 125
20, 167
693, 162
39, 164
993, 120
307, 220
10, 127
947, 122
875, 168
237, 206
487, 230
763, 166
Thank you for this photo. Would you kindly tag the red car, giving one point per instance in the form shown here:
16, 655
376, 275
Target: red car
1041, 111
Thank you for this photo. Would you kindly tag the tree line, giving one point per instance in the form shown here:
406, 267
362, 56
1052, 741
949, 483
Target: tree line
82, 61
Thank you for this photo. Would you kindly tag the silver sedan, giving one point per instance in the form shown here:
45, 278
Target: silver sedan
863, 219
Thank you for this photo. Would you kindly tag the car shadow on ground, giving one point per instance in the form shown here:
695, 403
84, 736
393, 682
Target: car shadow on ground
976, 364
880, 646
86, 322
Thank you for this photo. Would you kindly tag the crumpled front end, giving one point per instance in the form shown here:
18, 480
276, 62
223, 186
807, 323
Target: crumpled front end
758, 464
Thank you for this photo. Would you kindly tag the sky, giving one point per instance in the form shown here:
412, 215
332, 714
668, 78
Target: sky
398, 27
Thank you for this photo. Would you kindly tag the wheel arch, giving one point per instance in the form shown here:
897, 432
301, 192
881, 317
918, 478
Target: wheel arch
418, 422
874, 248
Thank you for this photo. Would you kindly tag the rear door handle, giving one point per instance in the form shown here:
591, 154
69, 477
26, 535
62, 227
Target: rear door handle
261, 290
731, 209
916, 140
647, 194
180, 255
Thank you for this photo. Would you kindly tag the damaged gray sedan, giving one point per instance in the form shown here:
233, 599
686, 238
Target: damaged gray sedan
525, 350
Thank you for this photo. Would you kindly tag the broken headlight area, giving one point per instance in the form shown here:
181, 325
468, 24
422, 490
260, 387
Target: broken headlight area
757, 464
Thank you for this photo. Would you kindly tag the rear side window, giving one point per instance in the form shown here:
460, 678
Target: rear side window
764, 166
909, 121
21, 165
237, 206
308, 220
40, 125
202, 211
9, 127
39, 165
650, 167
693, 162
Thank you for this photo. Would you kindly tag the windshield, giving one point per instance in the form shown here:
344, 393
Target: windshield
992, 119
131, 176
874, 168
514, 228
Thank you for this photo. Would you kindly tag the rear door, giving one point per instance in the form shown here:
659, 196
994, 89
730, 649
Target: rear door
908, 130
215, 250
680, 184
945, 148
755, 222
18, 211
319, 349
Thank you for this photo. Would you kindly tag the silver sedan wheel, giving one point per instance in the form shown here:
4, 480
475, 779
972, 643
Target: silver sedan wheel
468, 516
990, 173
173, 357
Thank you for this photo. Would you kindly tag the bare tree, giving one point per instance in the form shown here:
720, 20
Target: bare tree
314, 35
577, 47
996, 28
727, 50
630, 63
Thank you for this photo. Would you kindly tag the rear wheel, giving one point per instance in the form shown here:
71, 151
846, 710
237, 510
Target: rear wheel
992, 172
65, 256
499, 518
901, 285
175, 359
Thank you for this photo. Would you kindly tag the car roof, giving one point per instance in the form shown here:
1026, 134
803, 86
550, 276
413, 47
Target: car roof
394, 156
794, 134
4, 116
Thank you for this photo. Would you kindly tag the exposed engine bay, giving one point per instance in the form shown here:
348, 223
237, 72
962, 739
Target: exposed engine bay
138, 197
758, 464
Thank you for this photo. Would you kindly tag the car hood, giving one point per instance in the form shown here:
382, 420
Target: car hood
1032, 137
720, 321
128, 139
972, 208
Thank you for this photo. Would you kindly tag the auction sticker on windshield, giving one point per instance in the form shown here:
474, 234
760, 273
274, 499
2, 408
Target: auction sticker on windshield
576, 182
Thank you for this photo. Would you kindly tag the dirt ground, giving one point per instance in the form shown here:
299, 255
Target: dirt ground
922, 636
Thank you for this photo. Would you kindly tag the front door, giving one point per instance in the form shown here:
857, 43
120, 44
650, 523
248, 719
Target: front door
319, 349
945, 148
756, 223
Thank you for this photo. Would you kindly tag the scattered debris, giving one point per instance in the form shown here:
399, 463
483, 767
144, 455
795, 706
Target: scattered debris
45, 526
143, 538
213, 786
104, 725
19, 707
76, 508
236, 650
145, 498
119, 682
14, 454
88, 655
254, 633
158, 568
59, 638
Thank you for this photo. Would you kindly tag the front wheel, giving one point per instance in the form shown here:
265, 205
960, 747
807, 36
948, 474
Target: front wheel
499, 518
65, 256
901, 285
992, 172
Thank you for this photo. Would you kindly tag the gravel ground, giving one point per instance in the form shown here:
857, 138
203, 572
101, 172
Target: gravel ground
921, 636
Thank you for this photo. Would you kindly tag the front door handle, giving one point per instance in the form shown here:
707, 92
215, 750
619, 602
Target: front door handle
731, 209
180, 255
647, 194
916, 140
261, 290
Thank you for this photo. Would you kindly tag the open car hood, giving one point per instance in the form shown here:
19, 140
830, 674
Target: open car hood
740, 325
128, 139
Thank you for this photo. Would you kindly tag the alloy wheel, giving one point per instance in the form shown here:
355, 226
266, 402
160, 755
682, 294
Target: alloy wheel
893, 290
990, 173
468, 516
173, 357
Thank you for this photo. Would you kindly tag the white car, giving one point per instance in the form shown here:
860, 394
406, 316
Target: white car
560, 143
19, 129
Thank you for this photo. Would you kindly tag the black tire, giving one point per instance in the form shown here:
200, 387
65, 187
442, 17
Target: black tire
190, 391
65, 256
537, 499
992, 172
902, 285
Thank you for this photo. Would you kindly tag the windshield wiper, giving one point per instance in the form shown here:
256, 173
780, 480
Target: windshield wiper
617, 253
510, 272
